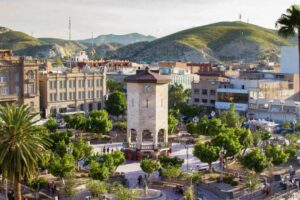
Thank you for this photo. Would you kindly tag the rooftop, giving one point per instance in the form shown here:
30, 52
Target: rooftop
147, 76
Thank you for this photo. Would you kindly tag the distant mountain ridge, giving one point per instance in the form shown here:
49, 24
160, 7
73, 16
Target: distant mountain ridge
119, 39
223, 41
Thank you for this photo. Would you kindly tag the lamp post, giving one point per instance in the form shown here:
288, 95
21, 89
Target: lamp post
221, 154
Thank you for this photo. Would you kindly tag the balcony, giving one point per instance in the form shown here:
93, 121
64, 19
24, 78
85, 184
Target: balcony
9, 97
147, 146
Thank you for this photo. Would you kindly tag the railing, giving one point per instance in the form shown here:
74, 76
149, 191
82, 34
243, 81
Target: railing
9, 97
145, 146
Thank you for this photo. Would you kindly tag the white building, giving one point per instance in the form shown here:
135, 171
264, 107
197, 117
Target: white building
289, 60
147, 115
80, 57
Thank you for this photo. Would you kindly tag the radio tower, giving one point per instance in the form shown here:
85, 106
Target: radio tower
69, 28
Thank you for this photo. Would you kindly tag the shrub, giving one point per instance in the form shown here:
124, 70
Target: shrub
230, 180
38, 183
121, 125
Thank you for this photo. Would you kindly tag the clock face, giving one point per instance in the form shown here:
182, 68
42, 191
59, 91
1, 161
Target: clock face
147, 88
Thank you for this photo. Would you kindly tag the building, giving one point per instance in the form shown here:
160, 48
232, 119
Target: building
80, 57
289, 59
19, 81
147, 115
75, 89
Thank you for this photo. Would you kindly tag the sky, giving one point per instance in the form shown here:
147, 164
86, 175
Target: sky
49, 18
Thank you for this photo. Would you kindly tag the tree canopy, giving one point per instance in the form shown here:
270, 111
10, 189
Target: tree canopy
206, 153
255, 160
116, 103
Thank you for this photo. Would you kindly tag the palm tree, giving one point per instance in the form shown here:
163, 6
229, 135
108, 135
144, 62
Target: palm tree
21, 145
289, 25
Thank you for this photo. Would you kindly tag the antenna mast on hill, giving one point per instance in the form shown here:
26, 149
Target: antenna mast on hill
240, 17
69, 28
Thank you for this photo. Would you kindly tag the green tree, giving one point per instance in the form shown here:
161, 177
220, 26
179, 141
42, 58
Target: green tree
62, 167
276, 154
98, 171
190, 110
210, 127
289, 25
59, 136
98, 121
116, 103
51, 124
177, 96
166, 161
118, 158
230, 117
229, 141
193, 128
21, 146
81, 150
245, 138
77, 122
113, 86
172, 122
149, 166
255, 160
170, 172
97, 188
206, 153
286, 124
291, 150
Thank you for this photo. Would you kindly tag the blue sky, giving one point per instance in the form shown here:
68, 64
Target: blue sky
49, 18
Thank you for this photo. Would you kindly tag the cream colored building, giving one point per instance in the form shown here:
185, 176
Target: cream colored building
147, 114
76, 89
19, 80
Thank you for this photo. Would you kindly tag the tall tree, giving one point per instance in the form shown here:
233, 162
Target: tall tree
149, 166
255, 160
230, 117
81, 150
116, 103
206, 153
289, 25
177, 95
21, 146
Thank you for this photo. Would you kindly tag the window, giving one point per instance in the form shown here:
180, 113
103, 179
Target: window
55, 97
92, 94
17, 77
65, 96
65, 83
51, 84
92, 82
79, 83
89, 83
70, 83
61, 96
30, 75
212, 102
196, 100
55, 84
233, 97
204, 92
17, 90
4, 91
98, 82
74, 95
30, 89
212, 92
74, 83
51, 97
3, 78
70, 96
196, 91
83, 95
204, 100
89, 94
83, 83
60, 84
98, 93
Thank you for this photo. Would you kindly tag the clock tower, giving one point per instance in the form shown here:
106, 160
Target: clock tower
147, 115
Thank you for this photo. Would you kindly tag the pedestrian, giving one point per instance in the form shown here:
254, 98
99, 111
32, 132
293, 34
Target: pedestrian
140, 179
104, 149
107, 150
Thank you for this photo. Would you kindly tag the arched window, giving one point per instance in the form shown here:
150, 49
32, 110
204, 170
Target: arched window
30, 75
3, 77
147, 136
161, 136
133, 135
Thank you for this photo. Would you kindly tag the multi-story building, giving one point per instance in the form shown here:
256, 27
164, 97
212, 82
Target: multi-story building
75, 89
19, 81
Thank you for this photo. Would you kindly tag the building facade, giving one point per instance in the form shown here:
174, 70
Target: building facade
147, 114
19, 81
76, 89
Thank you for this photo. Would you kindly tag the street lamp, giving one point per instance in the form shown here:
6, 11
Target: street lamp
222, 152
186, 146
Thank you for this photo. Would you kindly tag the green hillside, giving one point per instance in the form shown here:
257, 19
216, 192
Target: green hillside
219, 41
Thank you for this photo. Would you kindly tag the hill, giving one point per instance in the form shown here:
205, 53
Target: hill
24, 44
119, 39
220, 41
